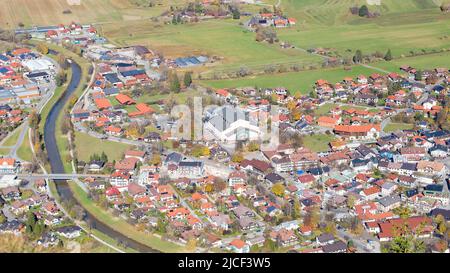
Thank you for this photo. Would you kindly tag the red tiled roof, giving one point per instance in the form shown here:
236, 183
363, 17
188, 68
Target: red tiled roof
102, 103
124, 99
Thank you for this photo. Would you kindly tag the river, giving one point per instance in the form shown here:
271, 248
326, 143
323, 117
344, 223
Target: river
57, 166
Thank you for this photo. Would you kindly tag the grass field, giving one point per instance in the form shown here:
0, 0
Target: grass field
391, 127
222, 38
24, 151
4, 152
87, 146
12, 138
318, 143
295, 81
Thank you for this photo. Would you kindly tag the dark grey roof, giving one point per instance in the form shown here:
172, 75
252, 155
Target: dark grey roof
274, 177
338, 246
409, 166
68, 229
389, 200
325, 237
190, 164
173, 157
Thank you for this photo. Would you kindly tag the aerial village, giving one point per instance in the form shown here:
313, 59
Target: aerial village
351, 195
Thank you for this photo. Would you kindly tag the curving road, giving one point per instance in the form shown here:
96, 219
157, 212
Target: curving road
57, 166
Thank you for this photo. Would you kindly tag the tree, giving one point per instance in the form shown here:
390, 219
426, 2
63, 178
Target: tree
358, 56
440, 224
363, 11
156, 159
403, 212
2, 218
237, 158
219, 184
351, 201
404, 241
330, 228
236, 14
418, 76
312, 217
42, 48
191, 245
61, 78
62, 61
278, 189
296, 212
187, 79
174, 83
388, 56
253, 146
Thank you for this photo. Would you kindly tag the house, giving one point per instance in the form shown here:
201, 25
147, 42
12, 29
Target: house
325, 239
221, 221
335, 247
354, 132
135, 154
239, 246
189, 169
119, 179
11, 193
389, 203
8, 166
328, 122
114, 131
69, 232
274, 178
413, 153
431, 167
247, 223
11, 227
284, 237
112, 193
388, 188
96, 165
439, 151
237, 177
230, 124
136, 191
421, 226
371, 193
48, 239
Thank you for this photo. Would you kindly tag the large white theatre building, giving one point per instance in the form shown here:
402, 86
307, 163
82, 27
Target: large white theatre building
230, 124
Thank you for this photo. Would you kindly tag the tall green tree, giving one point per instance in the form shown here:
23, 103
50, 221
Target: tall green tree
419, 75
358, 56
363, 11
388, 56
187, 79
174, 83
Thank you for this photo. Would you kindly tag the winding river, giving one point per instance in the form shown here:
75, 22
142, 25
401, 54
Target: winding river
57, 166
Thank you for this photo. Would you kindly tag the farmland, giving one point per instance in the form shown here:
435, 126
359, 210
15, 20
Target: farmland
50, 12
295, 81
225, 39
